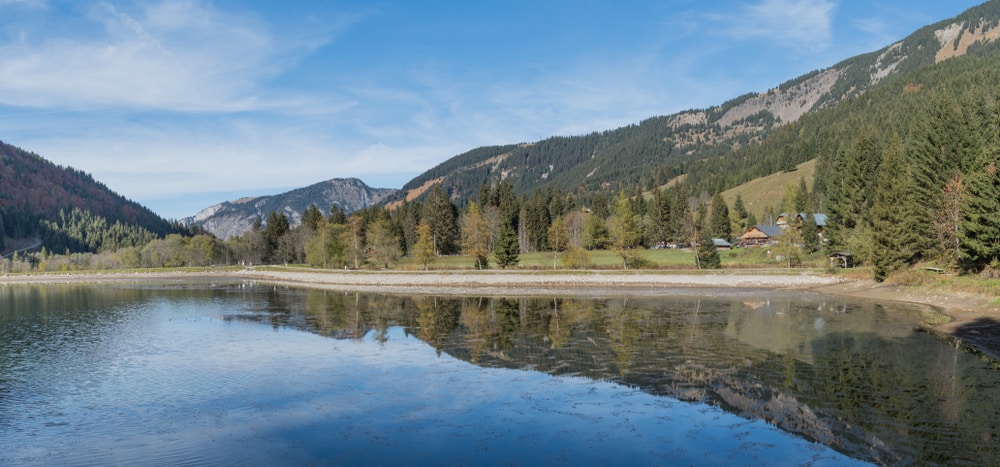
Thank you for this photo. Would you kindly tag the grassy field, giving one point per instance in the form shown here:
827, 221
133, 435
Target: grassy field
740, 258
767, 191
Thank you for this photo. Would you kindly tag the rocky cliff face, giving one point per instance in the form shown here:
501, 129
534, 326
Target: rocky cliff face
233, 218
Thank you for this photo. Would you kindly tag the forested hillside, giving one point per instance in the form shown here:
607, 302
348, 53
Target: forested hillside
67, 208
700, 143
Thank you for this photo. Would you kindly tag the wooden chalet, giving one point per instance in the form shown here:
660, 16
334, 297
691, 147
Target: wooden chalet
784, 218
761, 235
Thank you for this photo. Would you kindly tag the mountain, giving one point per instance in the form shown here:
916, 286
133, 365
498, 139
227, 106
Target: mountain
656, 150
233, 218
33, 189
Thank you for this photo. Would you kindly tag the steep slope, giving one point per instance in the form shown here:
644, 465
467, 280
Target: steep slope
233, 218
658, 149
33, 189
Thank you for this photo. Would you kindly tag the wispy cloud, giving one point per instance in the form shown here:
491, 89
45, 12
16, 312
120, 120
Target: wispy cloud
796, 24
173, 56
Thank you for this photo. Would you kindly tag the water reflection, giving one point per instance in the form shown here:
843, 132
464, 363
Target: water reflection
851, 375
857, 376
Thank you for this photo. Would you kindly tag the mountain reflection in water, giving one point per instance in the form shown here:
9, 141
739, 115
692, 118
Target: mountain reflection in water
856, 376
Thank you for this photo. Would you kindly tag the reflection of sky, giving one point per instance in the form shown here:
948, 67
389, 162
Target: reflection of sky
186, 386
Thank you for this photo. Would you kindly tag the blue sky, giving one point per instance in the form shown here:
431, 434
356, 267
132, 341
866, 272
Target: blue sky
183, 104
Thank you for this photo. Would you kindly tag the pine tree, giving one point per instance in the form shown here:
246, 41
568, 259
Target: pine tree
802, 196
718, 225
979, 235
893, 217
535, 221
741, 213
707, 255
810, 233
277, 227
311, 218
441, 216
507, 249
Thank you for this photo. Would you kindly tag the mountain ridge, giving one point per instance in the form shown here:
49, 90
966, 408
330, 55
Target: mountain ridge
232, 218
658, 149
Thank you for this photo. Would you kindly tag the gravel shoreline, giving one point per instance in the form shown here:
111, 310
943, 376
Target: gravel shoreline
974, 320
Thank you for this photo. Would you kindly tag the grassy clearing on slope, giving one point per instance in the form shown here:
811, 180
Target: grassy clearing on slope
767, 191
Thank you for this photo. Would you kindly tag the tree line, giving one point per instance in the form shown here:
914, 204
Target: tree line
492, 230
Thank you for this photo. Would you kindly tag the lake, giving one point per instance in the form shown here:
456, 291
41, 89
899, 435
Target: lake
244, 373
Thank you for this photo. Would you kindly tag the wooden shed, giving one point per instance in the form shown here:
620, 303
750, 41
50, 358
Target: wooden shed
841, 259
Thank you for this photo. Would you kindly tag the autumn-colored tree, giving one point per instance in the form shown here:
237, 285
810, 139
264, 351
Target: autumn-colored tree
558, 238
424, 249
476, 235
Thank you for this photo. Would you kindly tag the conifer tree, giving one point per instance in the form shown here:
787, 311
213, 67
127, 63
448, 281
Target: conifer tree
311, 218
893, 217
810, 233
441, 216
979, 235
707, 255
277, 227
718, 225
507, 249
741, 213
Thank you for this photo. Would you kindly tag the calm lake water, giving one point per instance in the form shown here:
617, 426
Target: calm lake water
252, 374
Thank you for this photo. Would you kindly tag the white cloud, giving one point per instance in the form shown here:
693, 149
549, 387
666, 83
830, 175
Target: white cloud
176, 56
795, 23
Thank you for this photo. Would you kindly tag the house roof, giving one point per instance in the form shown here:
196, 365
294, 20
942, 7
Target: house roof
720, 243
770, 230
820, 218
762, 231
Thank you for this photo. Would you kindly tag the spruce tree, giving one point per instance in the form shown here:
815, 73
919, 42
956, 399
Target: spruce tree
277, 227
507, 249
311, 218
707, 255
810, 233
893, 216
440, 214
979, 234
718, 225
741, 213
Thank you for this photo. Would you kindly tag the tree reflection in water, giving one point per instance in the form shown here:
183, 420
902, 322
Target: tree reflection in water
855, 376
